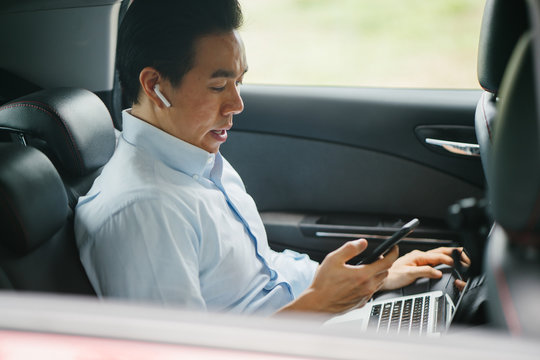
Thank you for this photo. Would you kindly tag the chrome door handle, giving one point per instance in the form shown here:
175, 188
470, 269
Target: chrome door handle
455, 147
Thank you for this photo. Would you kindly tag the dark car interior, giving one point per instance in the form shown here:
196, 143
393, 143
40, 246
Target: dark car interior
324, 165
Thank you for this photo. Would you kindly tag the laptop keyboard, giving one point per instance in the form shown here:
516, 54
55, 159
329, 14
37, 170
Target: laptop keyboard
409, 316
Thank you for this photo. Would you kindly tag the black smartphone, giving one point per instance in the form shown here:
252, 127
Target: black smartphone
390, 242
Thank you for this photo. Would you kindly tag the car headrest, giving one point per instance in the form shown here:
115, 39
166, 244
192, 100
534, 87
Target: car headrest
74, 124
503, 22
514, 169
33, 204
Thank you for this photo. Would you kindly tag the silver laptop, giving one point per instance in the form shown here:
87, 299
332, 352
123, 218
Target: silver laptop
428, 313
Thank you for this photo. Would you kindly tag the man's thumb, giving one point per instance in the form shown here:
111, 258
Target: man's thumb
350, 249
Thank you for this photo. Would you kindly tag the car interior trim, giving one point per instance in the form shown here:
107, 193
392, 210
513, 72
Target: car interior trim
455, 147
78, 43
373, 236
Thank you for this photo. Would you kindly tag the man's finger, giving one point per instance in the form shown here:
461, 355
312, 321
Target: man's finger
349, 250
460, 284
465, 258
448, 251
442, 249
425, 271
445, 250
433, 259
387, 261
393, 254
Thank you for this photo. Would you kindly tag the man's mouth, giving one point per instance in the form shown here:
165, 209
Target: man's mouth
220, 135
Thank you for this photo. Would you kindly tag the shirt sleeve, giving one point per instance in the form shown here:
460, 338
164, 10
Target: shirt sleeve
297, 268
147, 251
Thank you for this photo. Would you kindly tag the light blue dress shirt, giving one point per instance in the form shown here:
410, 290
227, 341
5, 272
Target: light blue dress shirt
169, 222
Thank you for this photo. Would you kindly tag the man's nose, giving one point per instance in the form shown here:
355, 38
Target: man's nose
234, 105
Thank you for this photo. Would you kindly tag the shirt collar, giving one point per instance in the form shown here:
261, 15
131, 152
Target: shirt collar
172, 151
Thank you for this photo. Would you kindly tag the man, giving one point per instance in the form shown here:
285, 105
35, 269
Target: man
169, 220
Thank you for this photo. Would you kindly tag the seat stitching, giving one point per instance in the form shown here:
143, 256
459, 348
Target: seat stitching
487, 89
51, 113
508, 307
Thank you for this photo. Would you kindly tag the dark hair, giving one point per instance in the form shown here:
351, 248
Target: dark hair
162, 34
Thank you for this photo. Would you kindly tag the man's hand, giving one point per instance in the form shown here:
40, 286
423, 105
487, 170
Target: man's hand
417, 264
338, 286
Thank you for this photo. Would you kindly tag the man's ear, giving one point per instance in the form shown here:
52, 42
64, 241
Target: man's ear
149, 78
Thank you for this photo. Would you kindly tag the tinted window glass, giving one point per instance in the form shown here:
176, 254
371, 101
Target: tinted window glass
382, 43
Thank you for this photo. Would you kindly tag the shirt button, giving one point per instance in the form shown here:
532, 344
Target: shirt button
195, 177
209, 160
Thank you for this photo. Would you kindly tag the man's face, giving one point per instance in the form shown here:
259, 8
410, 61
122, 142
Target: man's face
204, 102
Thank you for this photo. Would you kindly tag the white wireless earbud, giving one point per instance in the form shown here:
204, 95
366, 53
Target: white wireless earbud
160, 96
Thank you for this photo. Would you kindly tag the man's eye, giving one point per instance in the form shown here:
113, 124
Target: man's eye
222, 88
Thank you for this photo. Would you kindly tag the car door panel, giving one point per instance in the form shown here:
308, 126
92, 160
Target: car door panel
349, 162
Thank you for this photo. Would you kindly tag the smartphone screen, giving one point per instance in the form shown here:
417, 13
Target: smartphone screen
390, 242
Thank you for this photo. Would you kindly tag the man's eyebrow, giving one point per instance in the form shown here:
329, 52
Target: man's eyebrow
221, 73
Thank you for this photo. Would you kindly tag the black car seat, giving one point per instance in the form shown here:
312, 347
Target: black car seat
503, 22
75, 136
513, 250
71, 126
37, 245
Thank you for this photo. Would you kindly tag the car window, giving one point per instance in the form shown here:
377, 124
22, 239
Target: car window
384, 43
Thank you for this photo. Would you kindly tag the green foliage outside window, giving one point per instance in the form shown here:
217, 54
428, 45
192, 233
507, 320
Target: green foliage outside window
381, 43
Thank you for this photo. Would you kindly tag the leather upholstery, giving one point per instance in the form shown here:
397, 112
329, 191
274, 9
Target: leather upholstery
37, 243
74, 124
512, 256
483, 125
514, 169
29, 185
71, 126
73, 129
512, 279
512, 261
503, 23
